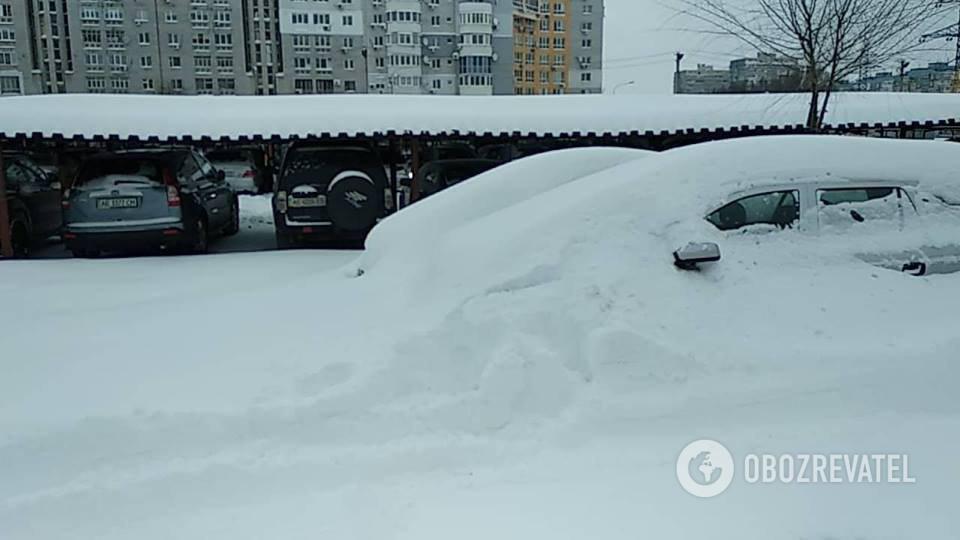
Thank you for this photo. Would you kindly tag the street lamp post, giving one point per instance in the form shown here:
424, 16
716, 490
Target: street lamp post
622, 85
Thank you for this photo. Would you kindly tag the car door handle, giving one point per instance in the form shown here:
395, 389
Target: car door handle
915, 269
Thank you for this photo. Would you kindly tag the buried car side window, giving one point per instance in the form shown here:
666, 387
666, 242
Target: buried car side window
843, 208
777, 208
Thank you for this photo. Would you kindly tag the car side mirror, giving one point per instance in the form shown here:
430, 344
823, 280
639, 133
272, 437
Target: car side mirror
694, 254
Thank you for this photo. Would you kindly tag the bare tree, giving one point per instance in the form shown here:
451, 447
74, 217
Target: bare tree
828, 40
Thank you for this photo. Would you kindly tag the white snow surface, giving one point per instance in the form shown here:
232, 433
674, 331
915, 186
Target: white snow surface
303, 116
532, 374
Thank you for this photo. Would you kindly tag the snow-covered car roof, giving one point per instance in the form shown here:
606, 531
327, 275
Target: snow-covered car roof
292, 117
718, 169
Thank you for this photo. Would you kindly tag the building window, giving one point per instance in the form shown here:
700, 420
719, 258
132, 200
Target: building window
227, 86
10, 84
6, 13
204, 86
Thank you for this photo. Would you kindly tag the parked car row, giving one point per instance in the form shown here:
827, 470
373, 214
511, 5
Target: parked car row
179, 199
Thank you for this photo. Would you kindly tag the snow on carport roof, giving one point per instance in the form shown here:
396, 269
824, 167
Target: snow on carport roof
288, 117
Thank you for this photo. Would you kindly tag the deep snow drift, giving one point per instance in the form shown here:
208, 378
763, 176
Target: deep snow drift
529, 370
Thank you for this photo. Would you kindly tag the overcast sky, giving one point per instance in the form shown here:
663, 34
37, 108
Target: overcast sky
641, 37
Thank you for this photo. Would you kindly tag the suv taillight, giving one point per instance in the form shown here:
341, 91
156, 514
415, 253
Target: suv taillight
173, 196
282, 202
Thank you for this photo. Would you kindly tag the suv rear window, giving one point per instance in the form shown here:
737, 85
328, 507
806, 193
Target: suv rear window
229, 155
310, 158
146, 169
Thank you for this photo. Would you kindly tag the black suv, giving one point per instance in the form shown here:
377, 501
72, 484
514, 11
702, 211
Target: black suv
33, 200
328, 193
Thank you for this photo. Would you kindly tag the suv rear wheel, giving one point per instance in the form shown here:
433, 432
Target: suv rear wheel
20, 238
201, 239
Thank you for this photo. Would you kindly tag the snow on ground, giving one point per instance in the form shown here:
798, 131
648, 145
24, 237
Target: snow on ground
533, 374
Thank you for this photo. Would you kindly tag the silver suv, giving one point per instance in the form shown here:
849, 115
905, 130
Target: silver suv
147, 199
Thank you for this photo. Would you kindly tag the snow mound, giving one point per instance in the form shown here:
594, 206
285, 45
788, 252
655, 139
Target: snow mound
488, 193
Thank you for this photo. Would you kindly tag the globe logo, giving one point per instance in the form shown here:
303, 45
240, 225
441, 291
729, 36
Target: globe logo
705, 468
702, 470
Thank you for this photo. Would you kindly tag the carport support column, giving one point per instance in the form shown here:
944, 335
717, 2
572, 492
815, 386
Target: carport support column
6, 242
394, 186
415, 169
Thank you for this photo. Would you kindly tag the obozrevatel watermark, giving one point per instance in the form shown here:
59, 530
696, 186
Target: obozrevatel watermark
705, 468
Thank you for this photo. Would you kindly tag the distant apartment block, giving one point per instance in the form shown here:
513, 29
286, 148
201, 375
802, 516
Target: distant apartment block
770, 73
247, 47
763, 73
703, 80
937, 77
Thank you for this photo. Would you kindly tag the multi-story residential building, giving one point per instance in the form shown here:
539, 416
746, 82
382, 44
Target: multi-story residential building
264, 55
396, 46
763, 72
558, 46
144, 46
446, 47
15, 47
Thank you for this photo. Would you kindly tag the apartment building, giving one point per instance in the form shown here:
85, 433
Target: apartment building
222, 47
15, 65
445, 47
558, 46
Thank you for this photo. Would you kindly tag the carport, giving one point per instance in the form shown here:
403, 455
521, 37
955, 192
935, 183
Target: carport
404, 124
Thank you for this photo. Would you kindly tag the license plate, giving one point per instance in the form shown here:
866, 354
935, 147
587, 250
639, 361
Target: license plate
307, 202
118, 203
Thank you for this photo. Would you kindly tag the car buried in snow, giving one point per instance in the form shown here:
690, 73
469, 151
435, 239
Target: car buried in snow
758, 201
888, 219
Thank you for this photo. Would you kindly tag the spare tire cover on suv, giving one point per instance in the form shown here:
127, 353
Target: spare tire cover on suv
354, 201
352, 179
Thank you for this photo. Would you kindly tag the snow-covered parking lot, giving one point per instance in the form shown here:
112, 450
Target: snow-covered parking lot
506, 360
